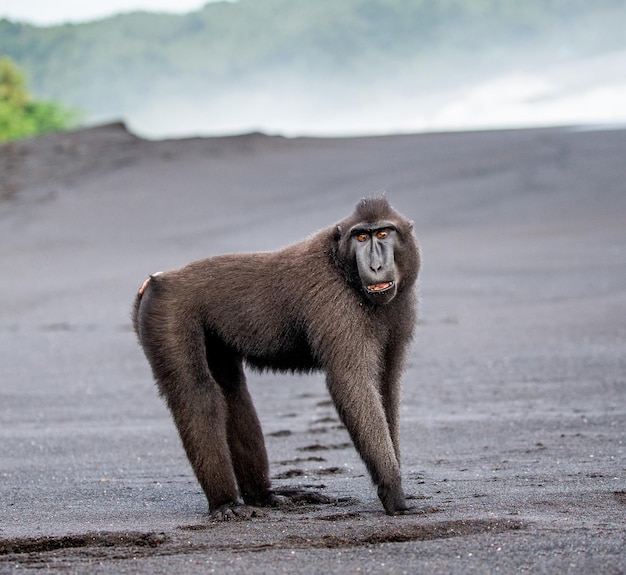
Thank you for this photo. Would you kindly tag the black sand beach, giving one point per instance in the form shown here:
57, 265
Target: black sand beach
514, 410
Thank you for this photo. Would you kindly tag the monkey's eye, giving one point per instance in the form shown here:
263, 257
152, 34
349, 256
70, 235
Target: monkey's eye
362, 237
382, 234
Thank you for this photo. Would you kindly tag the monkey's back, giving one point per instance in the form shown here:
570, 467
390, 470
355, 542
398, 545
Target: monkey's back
233, 294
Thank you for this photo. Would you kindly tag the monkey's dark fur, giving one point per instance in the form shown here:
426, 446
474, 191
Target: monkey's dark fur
341, 301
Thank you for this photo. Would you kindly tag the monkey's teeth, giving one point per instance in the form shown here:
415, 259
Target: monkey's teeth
380, 287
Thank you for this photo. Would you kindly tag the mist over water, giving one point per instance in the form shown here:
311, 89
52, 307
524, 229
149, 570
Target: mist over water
585, 91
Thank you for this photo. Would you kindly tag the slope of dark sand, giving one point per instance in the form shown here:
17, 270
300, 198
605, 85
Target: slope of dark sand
514, 413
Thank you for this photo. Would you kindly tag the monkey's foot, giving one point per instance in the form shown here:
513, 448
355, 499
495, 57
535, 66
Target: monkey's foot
233, 511
281, 497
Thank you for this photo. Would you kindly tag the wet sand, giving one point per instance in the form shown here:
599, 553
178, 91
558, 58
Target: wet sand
514, 410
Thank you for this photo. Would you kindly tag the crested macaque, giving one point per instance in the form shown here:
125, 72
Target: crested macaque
342, 301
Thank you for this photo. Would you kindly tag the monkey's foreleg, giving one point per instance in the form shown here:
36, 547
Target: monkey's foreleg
362, 412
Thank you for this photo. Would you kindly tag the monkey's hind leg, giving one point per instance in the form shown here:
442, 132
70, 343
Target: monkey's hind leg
250, 458
245, 437
244, 433
200, 413
201, 417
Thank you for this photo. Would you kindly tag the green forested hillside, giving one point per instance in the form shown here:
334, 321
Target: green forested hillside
20, 115
114, 66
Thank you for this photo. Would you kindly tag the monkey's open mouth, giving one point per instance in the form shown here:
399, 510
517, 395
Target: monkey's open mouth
380, 287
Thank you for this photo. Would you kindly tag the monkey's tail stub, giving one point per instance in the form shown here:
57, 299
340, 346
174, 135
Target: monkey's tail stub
138, 297
145, 284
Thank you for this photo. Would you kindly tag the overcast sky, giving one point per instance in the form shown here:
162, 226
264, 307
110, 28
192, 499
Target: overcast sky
47, 12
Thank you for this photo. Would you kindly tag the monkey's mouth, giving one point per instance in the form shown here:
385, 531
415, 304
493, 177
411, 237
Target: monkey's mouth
384, 286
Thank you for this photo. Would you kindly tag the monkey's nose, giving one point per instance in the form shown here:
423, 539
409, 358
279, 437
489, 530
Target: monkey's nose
376, 263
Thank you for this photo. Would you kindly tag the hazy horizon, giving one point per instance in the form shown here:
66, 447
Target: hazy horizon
208, 74
588, 91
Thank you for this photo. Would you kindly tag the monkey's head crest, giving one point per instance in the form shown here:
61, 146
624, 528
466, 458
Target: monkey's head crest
372, 209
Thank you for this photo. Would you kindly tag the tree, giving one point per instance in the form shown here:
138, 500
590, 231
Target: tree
20, 115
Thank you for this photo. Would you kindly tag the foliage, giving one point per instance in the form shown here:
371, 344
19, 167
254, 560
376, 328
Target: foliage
20, 115
12, 85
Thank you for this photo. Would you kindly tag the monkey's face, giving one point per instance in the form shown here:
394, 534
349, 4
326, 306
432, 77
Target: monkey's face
372, 246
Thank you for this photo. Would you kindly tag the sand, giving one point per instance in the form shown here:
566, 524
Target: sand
514, 409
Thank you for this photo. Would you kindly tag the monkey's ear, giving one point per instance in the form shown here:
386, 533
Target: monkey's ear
338, 232
411, 224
